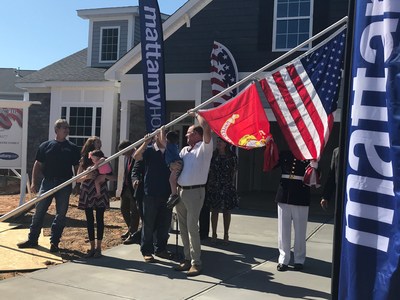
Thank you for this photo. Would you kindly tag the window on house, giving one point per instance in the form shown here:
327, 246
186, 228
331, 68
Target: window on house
109, 46
293, 23
84, 122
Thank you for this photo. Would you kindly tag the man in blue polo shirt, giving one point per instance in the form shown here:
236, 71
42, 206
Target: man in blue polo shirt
156, 215
54, 162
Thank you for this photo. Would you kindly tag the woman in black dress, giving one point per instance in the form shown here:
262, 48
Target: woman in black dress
221, 190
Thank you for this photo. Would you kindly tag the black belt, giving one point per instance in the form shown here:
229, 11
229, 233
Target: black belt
191, 187
56, 179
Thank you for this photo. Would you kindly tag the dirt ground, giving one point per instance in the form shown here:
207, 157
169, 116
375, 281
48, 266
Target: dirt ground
74, 242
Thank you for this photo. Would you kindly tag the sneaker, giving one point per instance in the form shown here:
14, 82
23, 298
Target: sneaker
183, 266
194, 271
27, 244
54, 248
281, 267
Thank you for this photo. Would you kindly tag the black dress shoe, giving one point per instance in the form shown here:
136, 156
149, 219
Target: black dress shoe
137, 237
298, 267
281, 267
54, 248
134, 238
165, 254
125, 235
129, 240
172, 201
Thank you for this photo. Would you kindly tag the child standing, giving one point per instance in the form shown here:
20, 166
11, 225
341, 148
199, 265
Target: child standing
97, 157
173, 161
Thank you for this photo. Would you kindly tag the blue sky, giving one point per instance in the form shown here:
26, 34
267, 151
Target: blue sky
37, 33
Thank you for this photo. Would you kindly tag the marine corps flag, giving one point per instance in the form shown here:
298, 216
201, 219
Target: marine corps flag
241, 121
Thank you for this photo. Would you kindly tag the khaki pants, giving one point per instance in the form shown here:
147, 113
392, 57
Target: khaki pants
188, 210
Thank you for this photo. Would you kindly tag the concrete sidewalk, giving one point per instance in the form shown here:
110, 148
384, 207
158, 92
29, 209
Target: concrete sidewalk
244, 269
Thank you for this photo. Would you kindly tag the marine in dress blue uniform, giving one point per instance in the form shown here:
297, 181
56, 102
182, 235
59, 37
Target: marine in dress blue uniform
293, 200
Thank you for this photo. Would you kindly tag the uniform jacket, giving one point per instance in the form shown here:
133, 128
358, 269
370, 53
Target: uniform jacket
292, 189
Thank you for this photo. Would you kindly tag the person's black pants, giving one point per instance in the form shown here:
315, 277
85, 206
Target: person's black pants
99, 222
204, 222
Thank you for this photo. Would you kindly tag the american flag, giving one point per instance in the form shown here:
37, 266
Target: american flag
5, 122
16, 114
223, 72
303, 96
8, 114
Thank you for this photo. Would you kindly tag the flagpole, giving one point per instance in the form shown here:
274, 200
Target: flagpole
338, 219
29, 204
282, 57
262, 69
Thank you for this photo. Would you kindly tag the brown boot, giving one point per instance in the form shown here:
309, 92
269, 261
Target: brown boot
194, 271
183, 266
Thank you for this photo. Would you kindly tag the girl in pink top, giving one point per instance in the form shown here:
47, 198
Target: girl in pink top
97, 157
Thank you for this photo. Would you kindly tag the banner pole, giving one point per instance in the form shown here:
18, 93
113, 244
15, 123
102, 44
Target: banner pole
338, 217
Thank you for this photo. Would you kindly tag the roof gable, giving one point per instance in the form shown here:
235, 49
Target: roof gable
181, 17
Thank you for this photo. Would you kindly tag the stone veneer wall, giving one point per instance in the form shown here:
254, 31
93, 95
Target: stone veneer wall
38, 126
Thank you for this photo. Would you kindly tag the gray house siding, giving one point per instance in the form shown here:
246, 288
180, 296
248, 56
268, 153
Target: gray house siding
137, 32
123, 40
5, 96
245, 27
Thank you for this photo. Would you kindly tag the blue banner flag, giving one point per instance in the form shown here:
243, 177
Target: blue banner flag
369, 264
152, 44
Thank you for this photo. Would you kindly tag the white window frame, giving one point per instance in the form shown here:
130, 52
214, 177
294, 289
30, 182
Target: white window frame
94, 116
276, 19
101, 43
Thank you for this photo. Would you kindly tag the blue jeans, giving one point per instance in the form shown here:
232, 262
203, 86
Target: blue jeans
62, 202
156, 225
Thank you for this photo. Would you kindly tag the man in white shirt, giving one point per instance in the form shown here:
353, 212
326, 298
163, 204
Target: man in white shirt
192, 180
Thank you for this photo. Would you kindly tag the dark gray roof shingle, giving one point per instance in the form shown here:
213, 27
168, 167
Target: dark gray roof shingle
8, 79
70, 68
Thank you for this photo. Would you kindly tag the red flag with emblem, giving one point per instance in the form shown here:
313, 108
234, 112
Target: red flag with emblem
240, 121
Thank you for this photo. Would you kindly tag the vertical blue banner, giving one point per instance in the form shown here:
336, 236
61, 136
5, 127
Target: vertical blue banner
152, 43
369, 267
